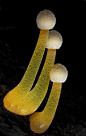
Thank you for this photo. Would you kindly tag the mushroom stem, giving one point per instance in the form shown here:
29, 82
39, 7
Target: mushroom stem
20, 100
32, 69
28, 102
35, 97
40, 121
15, 96
32, 100
53, 100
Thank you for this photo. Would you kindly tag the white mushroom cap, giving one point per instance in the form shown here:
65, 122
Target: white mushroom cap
45, 20
58, 73
54, 40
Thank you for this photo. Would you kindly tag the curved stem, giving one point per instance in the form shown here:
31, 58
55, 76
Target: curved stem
14, 97
53, 100
34, 98
32, 69
40, 121
42, 85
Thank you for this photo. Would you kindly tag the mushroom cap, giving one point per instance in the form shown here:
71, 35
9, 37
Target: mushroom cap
58, 73
54, 40
45, 20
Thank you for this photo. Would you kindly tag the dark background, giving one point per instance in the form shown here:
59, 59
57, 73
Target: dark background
18, 38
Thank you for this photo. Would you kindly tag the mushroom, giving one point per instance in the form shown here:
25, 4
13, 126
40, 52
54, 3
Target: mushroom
40, 121
32, 100
46, 20
13, 98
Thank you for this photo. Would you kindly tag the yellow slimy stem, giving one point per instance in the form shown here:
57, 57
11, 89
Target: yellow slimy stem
32, 69
40, 121
53, 100
32, 100
19, 100
14, 97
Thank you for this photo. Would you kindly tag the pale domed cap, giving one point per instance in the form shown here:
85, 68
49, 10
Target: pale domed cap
45, 20
54, 40
58, 73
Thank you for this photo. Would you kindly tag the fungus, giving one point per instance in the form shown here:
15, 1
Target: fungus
16, 96
54, 40
40, 121
46, 20
35, 97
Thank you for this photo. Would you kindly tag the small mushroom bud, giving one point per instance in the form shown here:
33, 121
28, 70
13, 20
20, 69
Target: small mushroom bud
46, 20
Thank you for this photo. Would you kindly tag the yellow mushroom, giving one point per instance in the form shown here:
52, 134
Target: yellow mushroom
40, 121
13, 98
32, 100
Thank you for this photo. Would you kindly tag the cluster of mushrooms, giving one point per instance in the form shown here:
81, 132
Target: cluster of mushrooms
23, 100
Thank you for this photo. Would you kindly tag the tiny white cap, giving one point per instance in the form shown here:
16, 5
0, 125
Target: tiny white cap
54, 40
46, 20
58, 73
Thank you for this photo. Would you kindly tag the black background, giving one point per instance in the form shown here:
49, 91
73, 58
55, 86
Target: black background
18, 29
